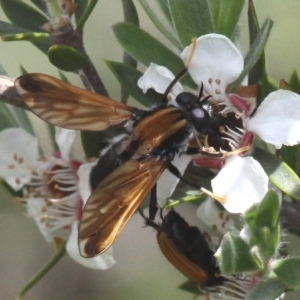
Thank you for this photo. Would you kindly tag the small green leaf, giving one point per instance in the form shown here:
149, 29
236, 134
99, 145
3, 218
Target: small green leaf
67, 58
258, 73
48, 267
85, 15
279, 172
40, 4
190, 287
22, 118
80, 9
31, 36
146, 49
131, 16
7, 119
267, 212
51, 130
159, 24
23, 15
235, 256
295, 82
165, 8
254, 52
130, 12
128, 78
63, 77
226, 14
291, 155
91, 142
287, 270
267, 241
191, 19
10, 29
270, 288
189, 198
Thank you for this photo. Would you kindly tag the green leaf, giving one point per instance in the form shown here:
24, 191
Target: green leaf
263, 222
258, 73
226, 14
91, 142
22, 119
130, 12
188, 198
7, 119
165, 8
267, 242
51, 130
9, 29
31, 36
40, 4
190, 287
131, 16
267, 212
63, 77
287, 270
128, 78
159, 24
146, 49
255, 52
279, 172
191, 19
295, 82
269, 288
23, 15
291, 155
48, 267
80, 9
67, 58
85, 15
235, 256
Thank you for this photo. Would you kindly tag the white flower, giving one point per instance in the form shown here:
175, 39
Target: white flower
50, 187
277, 119
242, 181
215, 62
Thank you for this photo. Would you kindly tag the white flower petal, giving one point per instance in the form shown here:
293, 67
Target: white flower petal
102, 262
167, 182
216, 63
277, 120
84, 186
35, 207
158, 78
216, 220
243, 181
64, 139
18, 156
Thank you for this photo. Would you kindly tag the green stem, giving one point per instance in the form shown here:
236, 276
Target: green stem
54, 260
85, 15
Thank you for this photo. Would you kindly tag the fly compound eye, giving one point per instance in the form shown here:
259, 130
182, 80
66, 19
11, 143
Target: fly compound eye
186, 101
200, 119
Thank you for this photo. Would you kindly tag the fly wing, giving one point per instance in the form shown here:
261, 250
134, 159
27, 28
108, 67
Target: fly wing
67, 106
114, 201
153, 130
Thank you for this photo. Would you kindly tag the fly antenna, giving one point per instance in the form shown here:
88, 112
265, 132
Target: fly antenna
174, 81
